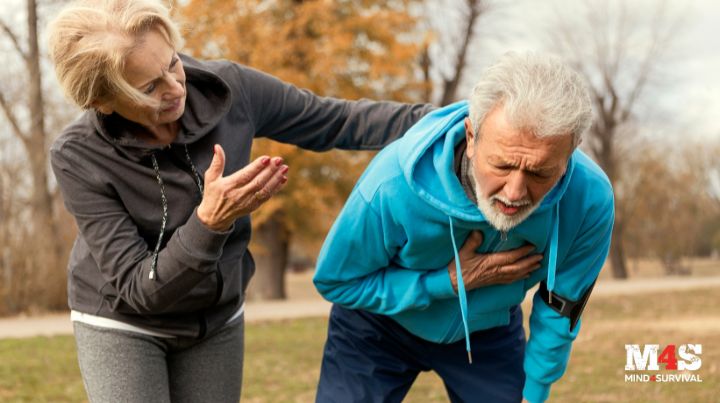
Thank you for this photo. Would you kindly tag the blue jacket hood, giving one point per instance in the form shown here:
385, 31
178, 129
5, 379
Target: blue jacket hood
428, 163
389, 248
426, 155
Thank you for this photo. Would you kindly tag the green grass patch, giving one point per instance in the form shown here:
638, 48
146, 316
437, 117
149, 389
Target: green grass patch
596, 372
669, 305
283, 358
40, 369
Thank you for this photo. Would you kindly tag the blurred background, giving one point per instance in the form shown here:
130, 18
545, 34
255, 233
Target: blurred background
651, 65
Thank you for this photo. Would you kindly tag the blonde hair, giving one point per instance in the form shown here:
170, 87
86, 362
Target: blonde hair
90, 39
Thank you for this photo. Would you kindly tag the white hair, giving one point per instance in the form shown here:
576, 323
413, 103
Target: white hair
539, 93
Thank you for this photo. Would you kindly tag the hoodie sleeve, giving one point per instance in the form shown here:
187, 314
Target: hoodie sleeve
355, 267
287, 114
550, 342
186, 265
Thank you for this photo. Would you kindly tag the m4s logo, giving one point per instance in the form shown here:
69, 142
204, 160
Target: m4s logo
648, 359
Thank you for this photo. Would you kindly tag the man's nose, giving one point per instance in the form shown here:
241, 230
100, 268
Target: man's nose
516, 186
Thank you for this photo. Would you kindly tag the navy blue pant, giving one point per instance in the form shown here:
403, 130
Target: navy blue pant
371, 358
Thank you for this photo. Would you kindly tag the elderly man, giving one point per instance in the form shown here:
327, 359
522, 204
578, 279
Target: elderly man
501, 176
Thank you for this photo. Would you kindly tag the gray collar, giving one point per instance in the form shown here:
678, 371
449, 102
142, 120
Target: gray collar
462, 170
208, 100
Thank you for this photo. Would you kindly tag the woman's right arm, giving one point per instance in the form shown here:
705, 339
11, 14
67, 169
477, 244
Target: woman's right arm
285, 113
186, 264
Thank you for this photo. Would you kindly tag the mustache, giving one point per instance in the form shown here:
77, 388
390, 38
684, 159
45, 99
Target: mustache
505, 201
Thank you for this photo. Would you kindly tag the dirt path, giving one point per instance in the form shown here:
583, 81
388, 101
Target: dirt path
304, 302
698, 325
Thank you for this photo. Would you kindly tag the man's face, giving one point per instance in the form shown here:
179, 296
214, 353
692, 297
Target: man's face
513, 169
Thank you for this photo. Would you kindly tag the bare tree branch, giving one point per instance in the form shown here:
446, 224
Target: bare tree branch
475, 8
425, 63
643, 74
14, 40
624, 30
604, 51
36, 100
594, 144
12, 118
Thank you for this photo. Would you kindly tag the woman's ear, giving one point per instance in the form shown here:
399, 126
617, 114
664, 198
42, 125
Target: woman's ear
103, 107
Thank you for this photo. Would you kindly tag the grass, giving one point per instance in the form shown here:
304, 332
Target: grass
282, 358
39, 369
652, 268
596, 369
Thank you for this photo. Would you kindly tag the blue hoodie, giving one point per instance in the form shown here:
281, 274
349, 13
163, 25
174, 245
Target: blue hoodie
389, 249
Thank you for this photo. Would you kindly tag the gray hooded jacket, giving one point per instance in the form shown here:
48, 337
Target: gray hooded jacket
109, 185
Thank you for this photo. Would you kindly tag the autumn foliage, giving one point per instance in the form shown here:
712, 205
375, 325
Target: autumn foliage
346, 49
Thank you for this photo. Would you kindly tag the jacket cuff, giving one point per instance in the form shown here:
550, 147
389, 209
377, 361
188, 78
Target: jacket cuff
535, 392
438, 285
200, 241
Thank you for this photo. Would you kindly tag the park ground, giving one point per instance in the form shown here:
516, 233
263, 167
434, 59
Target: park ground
285, 339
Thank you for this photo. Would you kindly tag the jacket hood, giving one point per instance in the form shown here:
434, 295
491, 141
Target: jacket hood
427, 162
426, 156
208, 99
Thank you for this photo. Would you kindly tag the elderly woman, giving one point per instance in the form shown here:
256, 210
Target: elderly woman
156, 172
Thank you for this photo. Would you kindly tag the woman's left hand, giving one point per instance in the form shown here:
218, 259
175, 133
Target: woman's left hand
228, 198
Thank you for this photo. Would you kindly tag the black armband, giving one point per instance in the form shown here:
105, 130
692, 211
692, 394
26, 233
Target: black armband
566, 307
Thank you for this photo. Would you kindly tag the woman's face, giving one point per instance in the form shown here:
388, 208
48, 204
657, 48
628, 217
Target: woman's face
155, 69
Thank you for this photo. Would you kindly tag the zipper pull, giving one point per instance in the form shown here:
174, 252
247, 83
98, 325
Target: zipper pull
503, 236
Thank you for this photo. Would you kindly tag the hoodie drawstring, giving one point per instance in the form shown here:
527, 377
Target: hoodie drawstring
153, 266
462, 295
552, 260
198, 181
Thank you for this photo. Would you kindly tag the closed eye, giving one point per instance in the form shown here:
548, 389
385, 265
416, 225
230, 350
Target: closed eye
173, 63
151, 88
540, 175
503, 167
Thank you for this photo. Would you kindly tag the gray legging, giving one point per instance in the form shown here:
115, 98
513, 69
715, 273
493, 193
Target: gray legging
121, 366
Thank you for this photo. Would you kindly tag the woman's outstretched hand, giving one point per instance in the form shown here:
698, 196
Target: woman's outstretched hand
228, 198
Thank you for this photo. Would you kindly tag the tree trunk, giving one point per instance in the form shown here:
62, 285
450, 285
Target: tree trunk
425, 63
450, 85
272, 260
605, 155
672, 264
617, 252
45, 230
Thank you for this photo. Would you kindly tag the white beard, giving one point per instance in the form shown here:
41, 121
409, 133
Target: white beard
493, 215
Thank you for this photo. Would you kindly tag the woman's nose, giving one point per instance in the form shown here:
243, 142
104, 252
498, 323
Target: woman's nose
175, 86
